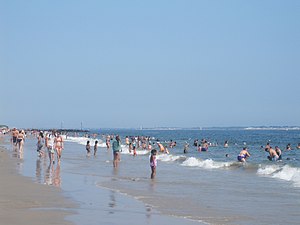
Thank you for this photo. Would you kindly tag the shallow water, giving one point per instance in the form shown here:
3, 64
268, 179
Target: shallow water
206, 186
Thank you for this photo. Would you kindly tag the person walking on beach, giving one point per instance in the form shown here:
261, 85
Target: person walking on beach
153, 163
243, 155
14, 138
95, 147
59, 145
40, 144
20, 139
49, 141
116, 146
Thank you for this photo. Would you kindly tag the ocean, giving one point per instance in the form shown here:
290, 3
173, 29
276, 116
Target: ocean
198, 187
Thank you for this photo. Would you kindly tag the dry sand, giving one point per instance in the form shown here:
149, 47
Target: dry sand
24, 202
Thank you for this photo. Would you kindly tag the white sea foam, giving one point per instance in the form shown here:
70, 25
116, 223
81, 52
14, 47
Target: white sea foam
125, 150
206, 164
267, 170
168, 158
83, 141
286, 173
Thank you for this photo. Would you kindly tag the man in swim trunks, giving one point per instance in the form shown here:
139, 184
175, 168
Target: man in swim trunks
243, 155
272, 155
161, 147
14, 134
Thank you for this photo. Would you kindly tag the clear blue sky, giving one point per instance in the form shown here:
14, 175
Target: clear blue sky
149, 63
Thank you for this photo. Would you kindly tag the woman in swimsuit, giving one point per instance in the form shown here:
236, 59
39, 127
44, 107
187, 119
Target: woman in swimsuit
243, 155
20, 140
59, 146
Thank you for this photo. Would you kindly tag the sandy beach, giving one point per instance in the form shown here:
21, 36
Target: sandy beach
29, 199
25, 202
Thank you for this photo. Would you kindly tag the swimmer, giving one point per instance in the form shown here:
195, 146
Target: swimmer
204, 146
267, 147
243, 155
226, 144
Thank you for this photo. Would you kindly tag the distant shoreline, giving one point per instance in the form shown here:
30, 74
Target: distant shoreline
283, 128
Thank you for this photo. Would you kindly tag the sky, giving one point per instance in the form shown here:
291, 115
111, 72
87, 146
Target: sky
127, 64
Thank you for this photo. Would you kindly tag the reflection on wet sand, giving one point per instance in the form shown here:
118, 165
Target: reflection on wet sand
52, 175
112, 204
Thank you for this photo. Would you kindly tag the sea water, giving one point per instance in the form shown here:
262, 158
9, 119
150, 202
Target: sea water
206, 187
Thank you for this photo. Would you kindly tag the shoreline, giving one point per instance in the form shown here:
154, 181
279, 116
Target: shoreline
28, 203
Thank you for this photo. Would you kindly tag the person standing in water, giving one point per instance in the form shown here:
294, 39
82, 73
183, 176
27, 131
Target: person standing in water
116, 146
95, 147
88, 148
278, 151
153, 163
244, 154
186, 148
272, 154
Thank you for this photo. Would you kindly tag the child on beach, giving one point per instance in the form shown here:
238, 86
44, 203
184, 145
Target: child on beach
153, 163
88, 148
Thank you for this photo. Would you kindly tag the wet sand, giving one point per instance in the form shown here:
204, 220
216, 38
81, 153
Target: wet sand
24, 202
